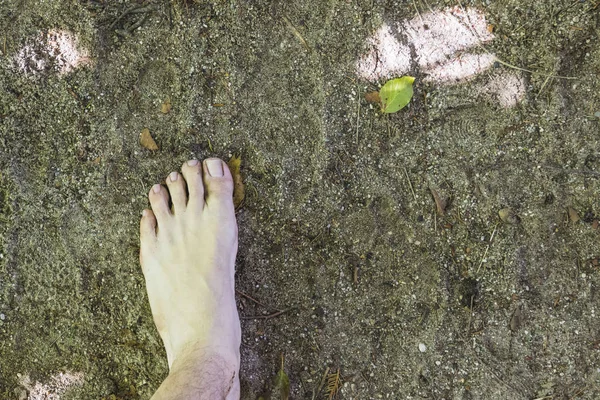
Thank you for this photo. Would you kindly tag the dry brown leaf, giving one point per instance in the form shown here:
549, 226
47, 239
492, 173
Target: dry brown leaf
490, 28
440, 204
517, 319
238, 186
373, 97
573, 215
165, 108
333, 385
146, 140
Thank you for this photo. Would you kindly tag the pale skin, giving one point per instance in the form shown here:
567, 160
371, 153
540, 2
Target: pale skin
187, 253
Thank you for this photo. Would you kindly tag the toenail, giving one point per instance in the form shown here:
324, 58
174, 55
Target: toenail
215, 167
145, 213
156, 188
173, 176
191, 163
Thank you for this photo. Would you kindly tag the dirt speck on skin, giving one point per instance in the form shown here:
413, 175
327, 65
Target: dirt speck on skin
338, 225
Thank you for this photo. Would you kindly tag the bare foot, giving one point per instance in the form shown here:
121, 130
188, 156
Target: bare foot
187, 253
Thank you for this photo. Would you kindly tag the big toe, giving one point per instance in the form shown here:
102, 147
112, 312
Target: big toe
218, 183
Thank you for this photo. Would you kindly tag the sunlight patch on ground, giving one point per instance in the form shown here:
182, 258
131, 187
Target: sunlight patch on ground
56, 51
438, 41
52, 390
508, 89
446, 46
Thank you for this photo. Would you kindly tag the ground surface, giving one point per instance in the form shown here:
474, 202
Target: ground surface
338, 228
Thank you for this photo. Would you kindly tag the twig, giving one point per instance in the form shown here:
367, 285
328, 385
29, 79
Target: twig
256, 301
315, 394
387, 123
296, 33
357, 117
276, 314
127, 11
544, 85
428, 6
470, 315
528, 70
410, 184
487, 248
418, 13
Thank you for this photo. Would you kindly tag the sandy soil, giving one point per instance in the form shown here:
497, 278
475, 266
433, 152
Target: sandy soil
339, 227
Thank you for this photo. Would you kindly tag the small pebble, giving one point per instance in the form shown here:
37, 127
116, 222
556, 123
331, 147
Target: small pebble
422, 348
2, 316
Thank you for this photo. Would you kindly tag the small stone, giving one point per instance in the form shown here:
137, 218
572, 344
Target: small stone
422, 348
2, 316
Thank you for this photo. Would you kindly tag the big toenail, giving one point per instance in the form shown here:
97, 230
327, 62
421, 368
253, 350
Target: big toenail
191, 163
173, 176
215, 167
156, 188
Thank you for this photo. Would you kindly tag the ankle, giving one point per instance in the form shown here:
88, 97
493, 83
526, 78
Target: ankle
199, 354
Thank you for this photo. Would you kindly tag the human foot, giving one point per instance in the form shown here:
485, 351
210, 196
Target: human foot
187, 254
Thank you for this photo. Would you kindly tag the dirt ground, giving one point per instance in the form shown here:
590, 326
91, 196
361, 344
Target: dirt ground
339, 228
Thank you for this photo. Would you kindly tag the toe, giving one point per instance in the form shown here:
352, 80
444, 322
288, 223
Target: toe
176, 186
159, 200
218, 182
192, 172
147, 227
147, 233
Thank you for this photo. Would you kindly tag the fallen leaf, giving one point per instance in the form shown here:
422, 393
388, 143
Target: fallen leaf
396, 94
373, 97
440, 204
573, 216
490, 28
281, 390
238, 185
165, 108
333, 385
146, 140
516, 320
508, 215
595, 224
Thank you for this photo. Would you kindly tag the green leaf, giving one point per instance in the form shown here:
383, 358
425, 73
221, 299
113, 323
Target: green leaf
396, 94
281, 391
